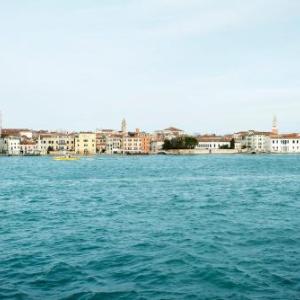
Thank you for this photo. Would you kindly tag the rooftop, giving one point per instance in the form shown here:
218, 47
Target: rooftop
172, 129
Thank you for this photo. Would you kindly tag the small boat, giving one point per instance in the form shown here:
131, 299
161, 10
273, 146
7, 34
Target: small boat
66, 158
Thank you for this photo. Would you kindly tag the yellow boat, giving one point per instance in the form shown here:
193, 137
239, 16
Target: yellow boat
66, 158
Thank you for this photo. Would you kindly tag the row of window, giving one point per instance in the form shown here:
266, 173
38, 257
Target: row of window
212, 145
284, 142
57, 142
132, 144
85, 141
86, 145
286, 148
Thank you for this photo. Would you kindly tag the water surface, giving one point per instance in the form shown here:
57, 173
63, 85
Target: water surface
157, 227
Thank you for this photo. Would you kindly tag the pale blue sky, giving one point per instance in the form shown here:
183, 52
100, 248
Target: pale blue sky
201, 65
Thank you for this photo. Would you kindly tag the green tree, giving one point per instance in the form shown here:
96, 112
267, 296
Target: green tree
182, 142
232, 143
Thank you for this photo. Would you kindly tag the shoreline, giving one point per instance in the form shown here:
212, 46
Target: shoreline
175, 153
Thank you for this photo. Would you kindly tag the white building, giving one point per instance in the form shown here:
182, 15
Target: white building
29, 148
1, 145
288, 143
210, 142
258, 141
113, 144
156, 146
11, 145
25, 133
253, 141
169, 133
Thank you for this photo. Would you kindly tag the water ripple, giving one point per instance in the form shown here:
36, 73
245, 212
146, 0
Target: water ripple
194, 227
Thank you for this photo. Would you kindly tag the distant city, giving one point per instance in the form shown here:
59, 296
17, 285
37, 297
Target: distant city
171, 140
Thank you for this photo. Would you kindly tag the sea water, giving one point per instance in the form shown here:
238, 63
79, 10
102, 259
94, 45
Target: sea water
155, 227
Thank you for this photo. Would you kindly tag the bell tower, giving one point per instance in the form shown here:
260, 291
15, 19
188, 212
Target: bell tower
274, 126
124, 126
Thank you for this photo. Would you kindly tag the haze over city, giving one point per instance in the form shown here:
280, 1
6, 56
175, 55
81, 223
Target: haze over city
204, 66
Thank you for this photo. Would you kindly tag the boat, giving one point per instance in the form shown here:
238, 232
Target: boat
66, 158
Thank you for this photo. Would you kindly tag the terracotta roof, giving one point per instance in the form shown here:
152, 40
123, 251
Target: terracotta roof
254, 132
287, 136
116, 135
12, 131
212, 138
267, 133
172, 129
86, 132
107, 130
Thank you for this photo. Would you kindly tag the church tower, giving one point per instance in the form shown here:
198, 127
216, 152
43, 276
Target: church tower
274, 126
124, 126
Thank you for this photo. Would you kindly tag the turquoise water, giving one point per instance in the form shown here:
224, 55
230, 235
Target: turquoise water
161, 227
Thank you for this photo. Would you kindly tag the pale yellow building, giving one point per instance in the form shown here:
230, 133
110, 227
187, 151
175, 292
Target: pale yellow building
85, 143
55, 142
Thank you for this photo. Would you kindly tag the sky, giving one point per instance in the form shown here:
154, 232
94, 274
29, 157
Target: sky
205, 66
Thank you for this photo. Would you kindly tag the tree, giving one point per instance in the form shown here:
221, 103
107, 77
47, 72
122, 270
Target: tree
232, 143
182, 142
224, 147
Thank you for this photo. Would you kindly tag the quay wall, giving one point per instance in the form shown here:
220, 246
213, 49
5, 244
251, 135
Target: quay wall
201, 151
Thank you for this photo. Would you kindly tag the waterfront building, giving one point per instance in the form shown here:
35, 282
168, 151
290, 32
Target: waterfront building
253, 141
55, 142
131, 143
285, 143
1, 146
156, 142
169, 133
210, 142
100, 142
114, 143
145, 142
135, 143
29, 147
103, 139
240, 140
156, 145
159, 136
85, 143
11, 145
124, 142
258, 141
17, 132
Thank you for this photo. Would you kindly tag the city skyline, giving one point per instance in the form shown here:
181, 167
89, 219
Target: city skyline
203, 66
274, 126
